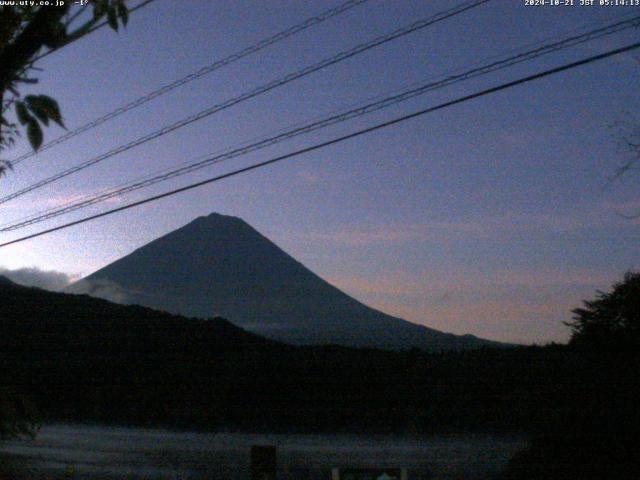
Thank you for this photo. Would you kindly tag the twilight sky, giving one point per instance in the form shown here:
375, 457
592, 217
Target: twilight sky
494, 217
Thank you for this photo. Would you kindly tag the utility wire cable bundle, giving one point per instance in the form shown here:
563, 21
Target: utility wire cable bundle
328, 121
261, 45
357, 50
337, 140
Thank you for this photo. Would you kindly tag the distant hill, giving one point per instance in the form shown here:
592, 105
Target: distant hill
48, 321
220, 265
83, 359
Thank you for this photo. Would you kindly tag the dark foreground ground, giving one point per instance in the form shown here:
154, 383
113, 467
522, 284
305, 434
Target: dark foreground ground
118, 453
76, 360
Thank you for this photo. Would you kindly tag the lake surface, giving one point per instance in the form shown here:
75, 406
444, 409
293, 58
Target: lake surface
136, 453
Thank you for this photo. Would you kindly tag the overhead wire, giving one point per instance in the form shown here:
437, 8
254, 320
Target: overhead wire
361, 48
324, 122
216, 65
336, 140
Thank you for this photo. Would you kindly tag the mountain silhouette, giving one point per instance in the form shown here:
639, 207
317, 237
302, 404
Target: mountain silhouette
219, 265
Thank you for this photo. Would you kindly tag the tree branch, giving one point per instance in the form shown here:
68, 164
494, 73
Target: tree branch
37, 33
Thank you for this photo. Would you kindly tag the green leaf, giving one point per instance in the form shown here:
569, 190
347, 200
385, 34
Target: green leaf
34, 134
45, 108
99, 9
56, 34
112, 18
123, 13
37, 109
22, 113
42, 117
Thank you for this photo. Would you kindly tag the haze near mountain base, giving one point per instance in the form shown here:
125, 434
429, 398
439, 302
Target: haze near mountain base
220, 266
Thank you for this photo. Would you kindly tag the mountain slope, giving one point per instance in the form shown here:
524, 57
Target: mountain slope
52, 321
219, 265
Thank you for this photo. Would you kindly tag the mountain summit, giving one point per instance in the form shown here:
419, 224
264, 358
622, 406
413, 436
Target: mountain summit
220, 266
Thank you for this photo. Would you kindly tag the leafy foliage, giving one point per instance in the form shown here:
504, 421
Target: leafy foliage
599, 437
26, 34
612, 320
36, 110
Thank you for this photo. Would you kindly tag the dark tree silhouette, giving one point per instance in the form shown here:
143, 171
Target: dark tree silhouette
598, 436
27, 33
612, 320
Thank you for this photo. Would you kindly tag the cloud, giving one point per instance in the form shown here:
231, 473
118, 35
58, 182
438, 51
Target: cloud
511, 321
467, 286
487, 228
35, 277
101, 288
393, 284
494, 227
361, 237
62, 282
526, 305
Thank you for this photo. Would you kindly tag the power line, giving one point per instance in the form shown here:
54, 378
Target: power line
322, 123
334, 141
253, 93
262, 44
369, 107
